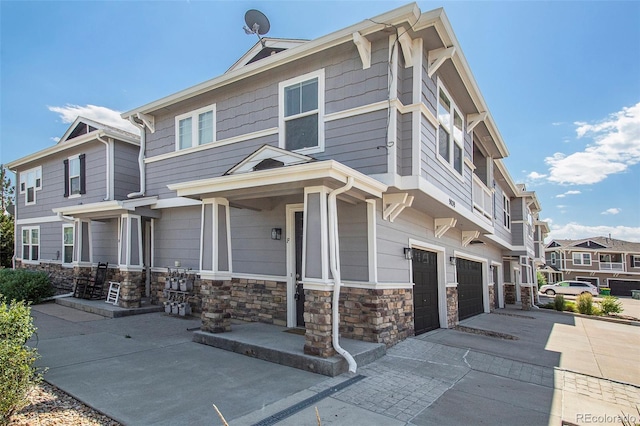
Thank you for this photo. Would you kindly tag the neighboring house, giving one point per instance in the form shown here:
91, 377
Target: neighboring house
367, 156
602, 261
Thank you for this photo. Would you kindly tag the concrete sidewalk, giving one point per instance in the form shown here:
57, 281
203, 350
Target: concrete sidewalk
145, 370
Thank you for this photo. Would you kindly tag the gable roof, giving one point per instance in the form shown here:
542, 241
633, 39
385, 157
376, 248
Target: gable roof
408, 15
262, 155
81, 131
259, 51
600, 244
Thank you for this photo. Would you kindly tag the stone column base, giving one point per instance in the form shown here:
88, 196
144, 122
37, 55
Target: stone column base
216, 297
317, 320
509, 294
452, 307
492, 297
525, 297
130, 294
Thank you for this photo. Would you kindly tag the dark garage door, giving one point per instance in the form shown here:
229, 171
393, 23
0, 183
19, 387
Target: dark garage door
425, 291
623, 287
469, 288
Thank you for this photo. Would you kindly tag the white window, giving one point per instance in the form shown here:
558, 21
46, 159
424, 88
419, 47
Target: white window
30, 182
506, 211
635, 261
582, 259
196, 127
74, 176
67, 243
302, 113
450, 131
553, 257
31, 243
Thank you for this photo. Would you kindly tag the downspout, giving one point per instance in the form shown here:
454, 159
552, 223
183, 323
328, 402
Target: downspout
108, 156
334, 262
143, 144
65, 219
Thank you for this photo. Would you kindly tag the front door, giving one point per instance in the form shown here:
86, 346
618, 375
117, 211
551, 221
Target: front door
299, 294
469, 275
425, 291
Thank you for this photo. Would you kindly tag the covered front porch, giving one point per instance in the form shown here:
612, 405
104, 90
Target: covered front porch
270, 249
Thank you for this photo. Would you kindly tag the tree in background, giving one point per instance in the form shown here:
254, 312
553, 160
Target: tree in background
542, 280
6, 218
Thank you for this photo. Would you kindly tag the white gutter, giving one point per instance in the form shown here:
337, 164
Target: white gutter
334, 262
64, 218
108, 165
143, 146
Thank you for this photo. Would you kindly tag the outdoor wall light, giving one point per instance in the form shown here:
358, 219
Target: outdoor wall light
408, 253
452, 260
276, 233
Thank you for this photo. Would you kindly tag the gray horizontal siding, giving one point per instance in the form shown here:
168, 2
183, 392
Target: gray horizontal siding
177, 237
404, 144
517, 234
105, 241
52, 193
126, 177
50, 241
253, 250
354, 141
353, 240
517, 209
499, 225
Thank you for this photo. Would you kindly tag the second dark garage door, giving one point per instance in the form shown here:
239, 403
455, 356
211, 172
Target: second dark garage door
469, 288
623, 287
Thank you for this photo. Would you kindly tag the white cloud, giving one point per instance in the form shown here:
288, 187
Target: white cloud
69, 113
536, 175
572, 192
616, 147
612, 211
575, 231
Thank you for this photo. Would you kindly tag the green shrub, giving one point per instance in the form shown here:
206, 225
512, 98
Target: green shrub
558, 302
569, 306
21, 284
611, 305
17, 373
584, 303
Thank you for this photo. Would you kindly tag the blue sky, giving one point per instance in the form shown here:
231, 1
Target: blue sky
562, 80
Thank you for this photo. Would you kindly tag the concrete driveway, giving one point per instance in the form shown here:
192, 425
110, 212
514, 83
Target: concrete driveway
145, 370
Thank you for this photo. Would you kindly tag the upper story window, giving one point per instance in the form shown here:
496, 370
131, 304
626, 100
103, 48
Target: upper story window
31, 243
30, 182
301, 113
635, 261
553, 257
67, 243
581, 258
506, 211
450, 131
196, 127
74, 176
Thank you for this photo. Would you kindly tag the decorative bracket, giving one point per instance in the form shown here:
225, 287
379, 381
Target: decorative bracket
468, 236
394, 204
443, 224
148, 120
435, 58
474, 119
407, 49
364, 49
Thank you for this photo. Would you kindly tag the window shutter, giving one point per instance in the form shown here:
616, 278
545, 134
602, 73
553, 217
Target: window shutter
83, 186
66, 178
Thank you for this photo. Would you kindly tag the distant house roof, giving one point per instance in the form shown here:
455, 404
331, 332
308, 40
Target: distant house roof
82, 130
600, 244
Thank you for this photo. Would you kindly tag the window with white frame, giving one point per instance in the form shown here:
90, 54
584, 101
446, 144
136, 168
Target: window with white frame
74, 176
635, 261
553, 257
450, 131
196, 127
302, 113
31, 243
30, 182
506, 211
583, 259
67, 243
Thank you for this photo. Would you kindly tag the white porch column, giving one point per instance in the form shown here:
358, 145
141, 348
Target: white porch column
215, 240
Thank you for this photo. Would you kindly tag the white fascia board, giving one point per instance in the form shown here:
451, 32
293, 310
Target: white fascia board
105, 206
504, 172
297, 173
73, 143
409, 13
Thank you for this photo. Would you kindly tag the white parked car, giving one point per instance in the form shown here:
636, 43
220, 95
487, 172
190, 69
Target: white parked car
569, 287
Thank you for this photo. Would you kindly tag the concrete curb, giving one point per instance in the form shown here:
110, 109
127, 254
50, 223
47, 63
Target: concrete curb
635, 323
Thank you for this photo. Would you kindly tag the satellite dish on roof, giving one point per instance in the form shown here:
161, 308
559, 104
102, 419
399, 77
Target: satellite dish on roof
257, 23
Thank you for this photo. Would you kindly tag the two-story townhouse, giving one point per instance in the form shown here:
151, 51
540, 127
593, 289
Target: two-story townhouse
602, 261
353, 181
92, 164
